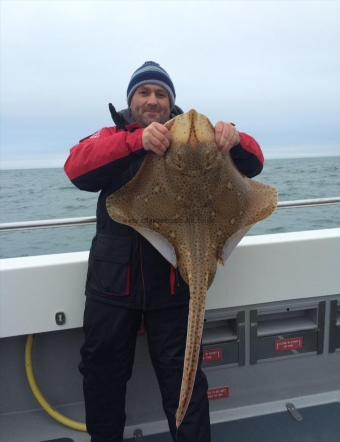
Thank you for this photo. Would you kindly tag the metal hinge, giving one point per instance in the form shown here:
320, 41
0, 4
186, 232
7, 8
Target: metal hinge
294, 412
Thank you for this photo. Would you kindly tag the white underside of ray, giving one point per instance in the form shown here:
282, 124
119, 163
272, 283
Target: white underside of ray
160, 243
232, 242
166, 249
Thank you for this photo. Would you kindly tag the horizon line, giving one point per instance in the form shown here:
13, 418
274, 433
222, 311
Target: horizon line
57, 164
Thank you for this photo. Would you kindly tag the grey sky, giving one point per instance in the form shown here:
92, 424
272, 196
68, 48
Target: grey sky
271, 67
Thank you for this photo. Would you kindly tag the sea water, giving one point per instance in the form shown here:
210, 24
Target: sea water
39, 194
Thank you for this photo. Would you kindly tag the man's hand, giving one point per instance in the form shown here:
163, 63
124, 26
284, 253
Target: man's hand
226, 136
156, 138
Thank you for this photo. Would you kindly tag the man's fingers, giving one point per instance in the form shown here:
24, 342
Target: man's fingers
162, 134
157, 138
160, 142
218, 132
228, 132
155, 141
219, 126
226, 136
160, 127
159, 150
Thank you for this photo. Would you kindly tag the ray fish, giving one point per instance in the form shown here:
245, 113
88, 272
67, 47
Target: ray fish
194, 206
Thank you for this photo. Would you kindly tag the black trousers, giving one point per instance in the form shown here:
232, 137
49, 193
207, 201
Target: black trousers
106, 365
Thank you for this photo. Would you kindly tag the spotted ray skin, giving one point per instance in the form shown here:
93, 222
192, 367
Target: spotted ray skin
199, 202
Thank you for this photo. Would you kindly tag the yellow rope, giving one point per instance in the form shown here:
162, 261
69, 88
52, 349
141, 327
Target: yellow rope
79, 426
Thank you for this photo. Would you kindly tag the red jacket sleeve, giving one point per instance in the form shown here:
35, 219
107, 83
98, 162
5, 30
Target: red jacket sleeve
99, 159
247, 156
94, 162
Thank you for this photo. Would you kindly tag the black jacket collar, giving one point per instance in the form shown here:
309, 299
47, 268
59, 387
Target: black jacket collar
123, 118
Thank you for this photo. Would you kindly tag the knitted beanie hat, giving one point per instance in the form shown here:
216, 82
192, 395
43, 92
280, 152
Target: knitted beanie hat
151, 73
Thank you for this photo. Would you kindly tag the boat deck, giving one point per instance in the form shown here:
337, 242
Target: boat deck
319, 423
270, 338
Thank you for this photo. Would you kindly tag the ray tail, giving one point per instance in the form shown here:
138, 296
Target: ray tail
198, 276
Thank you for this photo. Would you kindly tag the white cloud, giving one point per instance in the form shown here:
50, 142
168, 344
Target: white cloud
264, 64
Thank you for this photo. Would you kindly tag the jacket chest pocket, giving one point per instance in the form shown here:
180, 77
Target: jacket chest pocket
109, 265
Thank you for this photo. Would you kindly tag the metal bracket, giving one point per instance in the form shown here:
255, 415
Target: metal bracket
63, 439
294, 412
138, 435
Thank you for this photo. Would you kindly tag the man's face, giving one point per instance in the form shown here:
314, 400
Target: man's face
150, 103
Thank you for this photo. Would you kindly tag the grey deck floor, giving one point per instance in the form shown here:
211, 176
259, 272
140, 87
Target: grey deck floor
36, 426
320, 424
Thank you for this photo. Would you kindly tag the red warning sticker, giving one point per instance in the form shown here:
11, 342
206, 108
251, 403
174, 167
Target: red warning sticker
213, 355
289, 344
218, 393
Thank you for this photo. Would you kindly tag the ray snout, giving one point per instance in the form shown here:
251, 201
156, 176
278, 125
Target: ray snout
191, 128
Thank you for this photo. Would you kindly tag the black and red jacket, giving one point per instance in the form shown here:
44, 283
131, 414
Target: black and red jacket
124, 268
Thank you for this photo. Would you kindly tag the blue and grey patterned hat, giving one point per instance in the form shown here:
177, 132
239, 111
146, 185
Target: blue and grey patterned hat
151, 73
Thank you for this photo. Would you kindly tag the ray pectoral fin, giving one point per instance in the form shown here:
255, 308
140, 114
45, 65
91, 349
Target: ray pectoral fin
263, 202
117, 210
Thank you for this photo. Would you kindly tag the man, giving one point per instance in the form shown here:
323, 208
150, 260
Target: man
127, 277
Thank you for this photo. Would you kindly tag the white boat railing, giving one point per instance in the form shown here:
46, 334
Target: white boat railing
88, 220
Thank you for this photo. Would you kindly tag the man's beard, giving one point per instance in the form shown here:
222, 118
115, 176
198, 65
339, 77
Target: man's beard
141, 117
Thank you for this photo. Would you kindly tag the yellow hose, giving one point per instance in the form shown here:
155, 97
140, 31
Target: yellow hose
79, 426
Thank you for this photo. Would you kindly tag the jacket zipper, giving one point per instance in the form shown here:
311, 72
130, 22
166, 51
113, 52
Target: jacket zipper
142, 273
129, 281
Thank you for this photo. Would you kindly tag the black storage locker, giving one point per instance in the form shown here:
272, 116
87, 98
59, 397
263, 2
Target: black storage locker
290, 330
224, 341
334, 326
